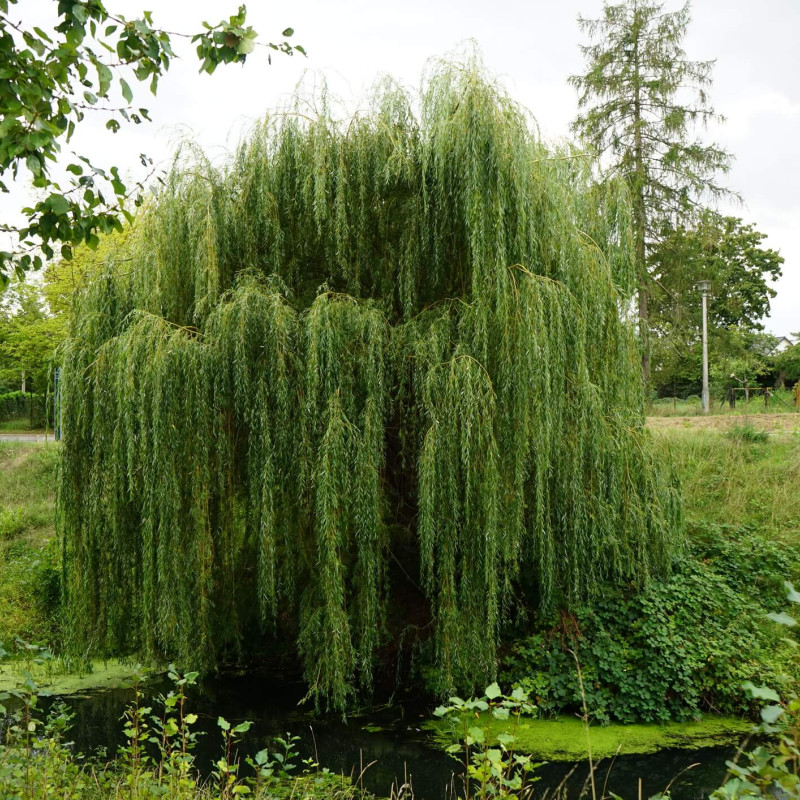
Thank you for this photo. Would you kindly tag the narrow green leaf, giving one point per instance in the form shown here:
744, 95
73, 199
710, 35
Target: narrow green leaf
127, 92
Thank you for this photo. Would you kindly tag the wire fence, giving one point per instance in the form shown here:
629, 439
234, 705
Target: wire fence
25, 408
742, 400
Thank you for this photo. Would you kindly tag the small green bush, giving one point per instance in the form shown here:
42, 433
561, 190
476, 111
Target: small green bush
12, 522
30, 591
772, 769
674, 650
37, 761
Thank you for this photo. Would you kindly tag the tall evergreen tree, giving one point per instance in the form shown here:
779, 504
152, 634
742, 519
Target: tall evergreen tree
641, 99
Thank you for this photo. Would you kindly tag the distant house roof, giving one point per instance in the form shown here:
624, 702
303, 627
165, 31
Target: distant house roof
784, 343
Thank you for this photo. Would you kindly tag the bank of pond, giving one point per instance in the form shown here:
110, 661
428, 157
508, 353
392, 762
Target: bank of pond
657, 677
403, 744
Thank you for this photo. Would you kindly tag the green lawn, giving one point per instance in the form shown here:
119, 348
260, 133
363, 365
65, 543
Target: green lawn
19, 426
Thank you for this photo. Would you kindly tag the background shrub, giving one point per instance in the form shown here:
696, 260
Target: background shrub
24, 406
674, 650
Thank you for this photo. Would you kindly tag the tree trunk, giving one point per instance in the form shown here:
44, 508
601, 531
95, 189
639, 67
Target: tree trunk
640, 220
641, 269
23, 382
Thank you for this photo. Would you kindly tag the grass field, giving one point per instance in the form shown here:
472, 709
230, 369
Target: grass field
738, 473
27, 491
781, 401
19, 426
733, 471
28, 557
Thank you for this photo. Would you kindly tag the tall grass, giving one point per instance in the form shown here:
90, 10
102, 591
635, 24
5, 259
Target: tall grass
736, 480
28, 551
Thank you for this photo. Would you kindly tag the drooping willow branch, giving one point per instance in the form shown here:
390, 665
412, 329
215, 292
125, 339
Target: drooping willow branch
397, 327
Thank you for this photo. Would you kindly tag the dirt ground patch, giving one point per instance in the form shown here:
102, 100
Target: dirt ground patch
773, 423
13, 459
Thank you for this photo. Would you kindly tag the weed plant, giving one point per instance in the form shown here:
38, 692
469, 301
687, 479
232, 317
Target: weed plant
771, 770
492, 767
747, 433
158, 760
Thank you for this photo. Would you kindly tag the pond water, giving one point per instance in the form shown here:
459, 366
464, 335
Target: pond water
387, 744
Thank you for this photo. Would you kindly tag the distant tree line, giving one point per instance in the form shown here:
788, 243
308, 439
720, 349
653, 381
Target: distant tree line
641, 100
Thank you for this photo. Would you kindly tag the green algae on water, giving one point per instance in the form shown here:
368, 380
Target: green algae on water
564, 738
110, 674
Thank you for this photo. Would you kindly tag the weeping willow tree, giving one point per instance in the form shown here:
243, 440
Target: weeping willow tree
408, 331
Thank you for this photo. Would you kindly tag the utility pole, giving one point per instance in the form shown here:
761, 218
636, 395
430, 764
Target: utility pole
704, 287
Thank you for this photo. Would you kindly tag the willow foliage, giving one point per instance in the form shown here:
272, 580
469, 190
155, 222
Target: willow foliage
402, 333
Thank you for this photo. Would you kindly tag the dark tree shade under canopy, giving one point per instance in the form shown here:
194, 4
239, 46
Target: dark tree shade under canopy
403, 333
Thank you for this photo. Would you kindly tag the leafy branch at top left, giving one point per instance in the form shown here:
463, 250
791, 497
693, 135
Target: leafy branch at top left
50, 79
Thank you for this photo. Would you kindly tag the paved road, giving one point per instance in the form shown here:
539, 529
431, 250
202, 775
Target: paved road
26, 437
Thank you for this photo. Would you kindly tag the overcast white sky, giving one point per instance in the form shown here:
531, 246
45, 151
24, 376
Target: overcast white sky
532, 45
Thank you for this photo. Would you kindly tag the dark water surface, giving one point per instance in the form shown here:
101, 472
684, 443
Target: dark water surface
393, 746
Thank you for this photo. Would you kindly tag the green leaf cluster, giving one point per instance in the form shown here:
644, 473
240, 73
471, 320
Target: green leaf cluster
29, 335
772, 768
51, 79
492, 767
789, 362
679, 648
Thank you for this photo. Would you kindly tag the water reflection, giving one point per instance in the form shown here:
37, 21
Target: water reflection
385, 745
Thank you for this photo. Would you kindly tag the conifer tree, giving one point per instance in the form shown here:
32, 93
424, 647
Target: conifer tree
641, 99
